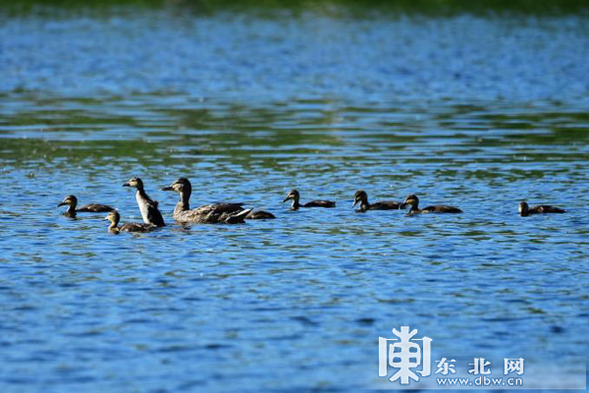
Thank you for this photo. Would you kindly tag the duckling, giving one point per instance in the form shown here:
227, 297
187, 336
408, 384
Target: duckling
147, 206
413, 201
525, 210
295, 196
362, 197
215, 213
259, 215
114, 218
71, 201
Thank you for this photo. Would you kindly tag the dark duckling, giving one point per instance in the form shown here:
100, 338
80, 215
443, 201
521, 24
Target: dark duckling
362, 197
259, 215
413, 201
148, 207
295, 196
71, 201
215, 213
525, 210
114, 218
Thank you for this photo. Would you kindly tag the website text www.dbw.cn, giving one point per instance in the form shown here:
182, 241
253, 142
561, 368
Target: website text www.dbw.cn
480, 381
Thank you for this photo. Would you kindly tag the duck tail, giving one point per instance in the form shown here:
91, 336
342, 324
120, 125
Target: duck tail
238, 217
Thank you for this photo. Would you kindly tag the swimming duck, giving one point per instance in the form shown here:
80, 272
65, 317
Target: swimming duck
147, 206
362, 197
413, 201
525, 210
114, 218
259, 215
214, 213
71, 201
295, 196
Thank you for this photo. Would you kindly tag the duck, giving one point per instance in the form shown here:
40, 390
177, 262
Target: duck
114, 218
148, 207
295, 196
71, 201
362, 197
214, 213
525, 210
260, 215
413, 201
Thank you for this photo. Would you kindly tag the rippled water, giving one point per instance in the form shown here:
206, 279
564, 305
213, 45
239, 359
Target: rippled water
480, 113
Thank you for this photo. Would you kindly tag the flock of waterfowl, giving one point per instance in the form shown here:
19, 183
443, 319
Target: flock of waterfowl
234, 213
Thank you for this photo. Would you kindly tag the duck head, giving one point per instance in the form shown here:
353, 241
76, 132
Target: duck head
114, 217
411, 200
523, 209
293, 194
70, 201
134, 182
181, 185
360, 196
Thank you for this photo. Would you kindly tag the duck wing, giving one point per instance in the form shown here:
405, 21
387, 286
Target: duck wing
441, 209
135, 227
215, 213
226, 207
259, 215
319, 203
234, 218
385, 205
95, 208
154, 216
547, 209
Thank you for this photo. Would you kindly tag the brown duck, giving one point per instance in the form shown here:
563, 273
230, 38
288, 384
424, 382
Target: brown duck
525, 210
71, 201
295, 197
413, 201
114, 219
259, 215
362, 197
215, 213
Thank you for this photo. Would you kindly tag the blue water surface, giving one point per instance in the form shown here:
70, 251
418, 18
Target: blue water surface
476, 112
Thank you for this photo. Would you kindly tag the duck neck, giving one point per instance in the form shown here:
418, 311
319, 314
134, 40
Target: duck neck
71, 210
141, 192
414, 209
183, 205
364, 205
184, 200
113, 226
295, 204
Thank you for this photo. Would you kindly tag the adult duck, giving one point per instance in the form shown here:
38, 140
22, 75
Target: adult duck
214, 213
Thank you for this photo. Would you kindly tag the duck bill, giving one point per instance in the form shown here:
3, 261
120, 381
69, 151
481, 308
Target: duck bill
168, 188
61, 204
403, 205
355, 202
126, 184
286, 199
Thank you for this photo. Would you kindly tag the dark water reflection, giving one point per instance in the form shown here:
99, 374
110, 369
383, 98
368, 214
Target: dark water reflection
478, 113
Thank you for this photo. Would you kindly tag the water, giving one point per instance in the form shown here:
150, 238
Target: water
475, 112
